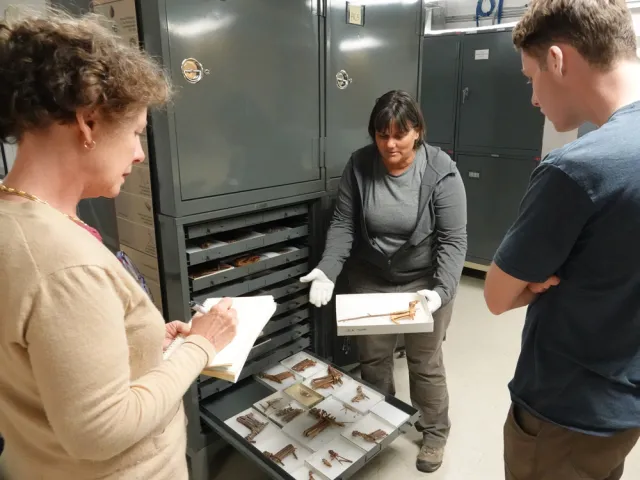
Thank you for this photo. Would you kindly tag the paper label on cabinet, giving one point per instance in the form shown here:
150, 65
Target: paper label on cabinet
482, 54
122, 15
355, 14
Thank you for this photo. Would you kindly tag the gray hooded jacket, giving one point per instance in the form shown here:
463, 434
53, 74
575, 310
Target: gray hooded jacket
438, 245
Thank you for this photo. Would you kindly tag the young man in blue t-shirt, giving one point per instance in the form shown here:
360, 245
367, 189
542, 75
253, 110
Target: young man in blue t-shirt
573, 254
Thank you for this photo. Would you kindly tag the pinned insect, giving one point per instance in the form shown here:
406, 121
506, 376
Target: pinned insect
325, 420
336, 456
333, 377
311, 477
348, 408
282, 454
278, 378
326, 462
271, 404
373, 437
241, 262
395, 317
360, 395
288, 413
252, 424
303, 365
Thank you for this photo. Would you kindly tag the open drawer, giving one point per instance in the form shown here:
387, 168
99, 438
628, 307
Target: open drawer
258, 402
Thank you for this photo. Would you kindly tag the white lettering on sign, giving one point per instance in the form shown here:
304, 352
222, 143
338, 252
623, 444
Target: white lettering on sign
482, 54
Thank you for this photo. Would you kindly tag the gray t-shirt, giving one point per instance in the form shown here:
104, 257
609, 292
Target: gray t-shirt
391, 204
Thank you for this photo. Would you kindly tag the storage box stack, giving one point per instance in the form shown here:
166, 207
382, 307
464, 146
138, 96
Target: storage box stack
134, 205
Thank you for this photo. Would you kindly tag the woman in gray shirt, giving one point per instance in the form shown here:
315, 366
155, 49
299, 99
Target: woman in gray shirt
400, 219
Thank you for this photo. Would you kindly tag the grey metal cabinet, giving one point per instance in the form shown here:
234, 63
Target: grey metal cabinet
495, 185
439, 88
495, 112
474, 96
245, 124
363, 62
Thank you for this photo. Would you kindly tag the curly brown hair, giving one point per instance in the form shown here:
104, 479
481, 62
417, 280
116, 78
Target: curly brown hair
54, 65
600, 30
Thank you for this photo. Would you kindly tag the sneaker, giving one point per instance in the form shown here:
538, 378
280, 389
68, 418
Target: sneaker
429, 459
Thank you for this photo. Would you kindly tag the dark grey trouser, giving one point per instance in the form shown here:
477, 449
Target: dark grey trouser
539, 450
427, 376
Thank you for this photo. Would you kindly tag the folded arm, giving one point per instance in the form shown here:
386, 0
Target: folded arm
552, 216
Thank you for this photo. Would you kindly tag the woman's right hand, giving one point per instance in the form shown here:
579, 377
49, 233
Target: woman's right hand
218, 325
321, 287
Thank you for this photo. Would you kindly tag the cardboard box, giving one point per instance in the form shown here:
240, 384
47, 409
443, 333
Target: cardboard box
135, 208
147, 264
139, 182
139, 237
375, 308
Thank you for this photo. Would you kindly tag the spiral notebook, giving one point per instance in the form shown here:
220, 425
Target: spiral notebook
253, 314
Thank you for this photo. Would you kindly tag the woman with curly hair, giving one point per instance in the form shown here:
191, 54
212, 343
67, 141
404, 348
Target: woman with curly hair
84, 392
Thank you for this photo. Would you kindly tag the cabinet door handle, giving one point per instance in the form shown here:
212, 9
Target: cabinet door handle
343, 80
465, 94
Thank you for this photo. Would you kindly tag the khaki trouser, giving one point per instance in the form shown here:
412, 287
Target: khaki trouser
427, 376
539, 450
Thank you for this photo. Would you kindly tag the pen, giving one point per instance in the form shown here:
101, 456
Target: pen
198, 308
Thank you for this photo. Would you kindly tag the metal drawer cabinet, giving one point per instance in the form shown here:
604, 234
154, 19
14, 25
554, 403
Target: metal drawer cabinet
273, 448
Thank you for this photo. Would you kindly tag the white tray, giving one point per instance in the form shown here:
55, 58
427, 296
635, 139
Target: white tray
296, 428
344, 448
309, 372
290, 463
361, 304
334, 389
283, 401
368, 424
303, 474
363, 406
338, 409
391, 414
263, 438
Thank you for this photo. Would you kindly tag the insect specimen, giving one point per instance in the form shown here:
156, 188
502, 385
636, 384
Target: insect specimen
271, 404
252, 424
303, 365
360, 395
395, 317
288, 413
336, 456
278, 378
333, 377
372, 437
325, 420
282, 454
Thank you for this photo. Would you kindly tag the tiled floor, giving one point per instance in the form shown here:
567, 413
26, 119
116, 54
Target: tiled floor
480, 355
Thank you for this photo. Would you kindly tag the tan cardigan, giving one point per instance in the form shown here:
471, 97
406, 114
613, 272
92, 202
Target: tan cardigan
84, 392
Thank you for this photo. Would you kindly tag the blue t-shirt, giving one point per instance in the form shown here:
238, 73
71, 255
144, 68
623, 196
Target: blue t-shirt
579, 366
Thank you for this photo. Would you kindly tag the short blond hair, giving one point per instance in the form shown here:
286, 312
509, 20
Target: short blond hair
600, 30
54, 64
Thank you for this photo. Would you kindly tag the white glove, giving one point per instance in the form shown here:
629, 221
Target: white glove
321, 287
434, 302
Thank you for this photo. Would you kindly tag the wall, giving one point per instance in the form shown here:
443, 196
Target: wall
467, 8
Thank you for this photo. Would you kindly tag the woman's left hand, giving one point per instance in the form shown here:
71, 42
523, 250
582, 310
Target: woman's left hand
434, 302
172, 330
